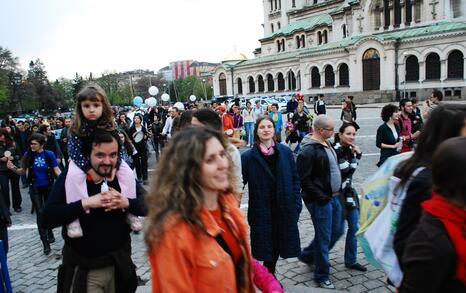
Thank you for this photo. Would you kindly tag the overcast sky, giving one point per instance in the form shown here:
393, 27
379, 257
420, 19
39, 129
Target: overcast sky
117, 35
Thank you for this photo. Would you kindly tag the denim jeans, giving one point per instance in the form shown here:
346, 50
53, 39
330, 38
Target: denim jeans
301, 134
249, 126
351, 244
328, 228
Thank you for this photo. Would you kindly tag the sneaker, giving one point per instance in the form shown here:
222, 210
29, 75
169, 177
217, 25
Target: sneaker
74, 229
134, 222
326, 285
357, 267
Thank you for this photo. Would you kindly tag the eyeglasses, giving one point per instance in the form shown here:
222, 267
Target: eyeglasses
329, 129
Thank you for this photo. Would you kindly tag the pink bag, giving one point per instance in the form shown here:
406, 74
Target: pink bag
264, 280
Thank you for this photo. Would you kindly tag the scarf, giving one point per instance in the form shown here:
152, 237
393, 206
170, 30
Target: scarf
267, 151
454, 220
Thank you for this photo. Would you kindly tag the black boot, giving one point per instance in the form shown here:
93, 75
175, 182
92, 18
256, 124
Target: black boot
50, 236
47, 249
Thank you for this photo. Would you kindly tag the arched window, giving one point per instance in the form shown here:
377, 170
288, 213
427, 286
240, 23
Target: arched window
279, 25
260, 84
280, 82
456, 8
252, 85
325, 38
303, 41
270, 83
291, 80
222, 82
319, 35
315, 77
329, 76
283, 45
298, 42
279, 46
433, 66
271, 26
343, 30
412, 68
344, 75
293, 3
455, 64
239, 81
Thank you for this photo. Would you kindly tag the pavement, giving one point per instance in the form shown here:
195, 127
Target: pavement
31, 271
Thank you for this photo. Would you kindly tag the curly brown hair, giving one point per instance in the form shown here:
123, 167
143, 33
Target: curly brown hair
92, 93
176, 189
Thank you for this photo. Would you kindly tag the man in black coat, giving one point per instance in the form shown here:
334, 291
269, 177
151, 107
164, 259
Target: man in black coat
320, 177
102, 257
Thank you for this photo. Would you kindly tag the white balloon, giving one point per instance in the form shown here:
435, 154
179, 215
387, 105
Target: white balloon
153, 90
179, 106
165, 97
152, 102
192, 98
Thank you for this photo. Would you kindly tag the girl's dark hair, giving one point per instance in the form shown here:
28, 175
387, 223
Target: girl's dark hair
43, 129
449, 170
387, 112
185, 119
257, 141
97, 137
128, 144
140, 118
444, 122
96, 94
342, 129
8, 141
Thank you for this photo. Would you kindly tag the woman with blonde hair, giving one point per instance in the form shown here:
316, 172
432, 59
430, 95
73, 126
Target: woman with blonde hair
195, 233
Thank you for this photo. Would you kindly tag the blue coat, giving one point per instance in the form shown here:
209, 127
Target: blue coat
261, 185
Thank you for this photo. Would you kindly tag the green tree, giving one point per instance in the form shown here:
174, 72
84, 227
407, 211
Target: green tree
77, 83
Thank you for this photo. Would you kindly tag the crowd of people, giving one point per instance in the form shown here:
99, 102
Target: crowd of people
196, 234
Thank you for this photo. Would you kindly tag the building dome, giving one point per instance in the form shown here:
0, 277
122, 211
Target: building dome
235, 56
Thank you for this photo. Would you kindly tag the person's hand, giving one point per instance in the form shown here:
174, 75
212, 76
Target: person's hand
10, 165
114, 200
356, 149
398, 144
4, 159
95, 201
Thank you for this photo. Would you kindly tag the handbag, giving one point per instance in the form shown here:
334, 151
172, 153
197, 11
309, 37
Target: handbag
377, 241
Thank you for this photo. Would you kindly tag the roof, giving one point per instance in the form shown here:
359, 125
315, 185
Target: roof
406, 33
301, 25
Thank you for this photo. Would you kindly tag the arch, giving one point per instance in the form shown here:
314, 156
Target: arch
315, 77
371, 69
252, 85
270, 83
412, 68
239, 83
329, 76
291, 80
280, 82
455, 67
222, 82
343, 74
260, 84
433, 66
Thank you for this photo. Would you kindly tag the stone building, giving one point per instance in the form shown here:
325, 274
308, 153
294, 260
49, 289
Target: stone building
375, 50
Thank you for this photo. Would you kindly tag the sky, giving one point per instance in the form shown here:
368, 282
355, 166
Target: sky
101, 36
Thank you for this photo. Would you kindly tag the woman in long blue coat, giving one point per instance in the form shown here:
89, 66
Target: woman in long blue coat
274, 196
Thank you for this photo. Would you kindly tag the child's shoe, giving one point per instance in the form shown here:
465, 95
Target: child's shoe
74, 229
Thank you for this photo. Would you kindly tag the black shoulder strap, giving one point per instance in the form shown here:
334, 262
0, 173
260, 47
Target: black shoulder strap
223, 244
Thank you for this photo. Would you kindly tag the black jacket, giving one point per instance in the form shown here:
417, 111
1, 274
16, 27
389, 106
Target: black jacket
411, 210
314, 172
429, 262
385, 136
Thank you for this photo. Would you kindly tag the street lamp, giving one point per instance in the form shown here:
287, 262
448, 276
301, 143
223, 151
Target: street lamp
205, 91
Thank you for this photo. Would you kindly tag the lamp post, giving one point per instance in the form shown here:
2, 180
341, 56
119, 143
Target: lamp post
205, 91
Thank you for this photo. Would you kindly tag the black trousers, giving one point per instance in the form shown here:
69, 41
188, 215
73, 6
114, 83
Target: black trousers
5, 178
140, 163
39, 195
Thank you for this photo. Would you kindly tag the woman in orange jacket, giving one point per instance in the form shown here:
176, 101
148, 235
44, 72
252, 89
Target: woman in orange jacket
195, 232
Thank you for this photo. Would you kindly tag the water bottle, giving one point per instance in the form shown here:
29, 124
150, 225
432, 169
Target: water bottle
104, 186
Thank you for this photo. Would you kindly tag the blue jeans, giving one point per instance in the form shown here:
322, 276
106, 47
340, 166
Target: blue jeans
351, 244
328, 228
249, 126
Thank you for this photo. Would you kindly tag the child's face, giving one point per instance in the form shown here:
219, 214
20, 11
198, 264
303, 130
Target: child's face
92, 110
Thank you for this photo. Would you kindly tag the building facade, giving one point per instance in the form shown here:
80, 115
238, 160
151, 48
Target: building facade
375, 50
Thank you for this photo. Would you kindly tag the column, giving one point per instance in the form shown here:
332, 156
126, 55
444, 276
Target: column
422, 71
256, 86
336, 73
403, 14
322, 79
443, 69
413, 17
275, 84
